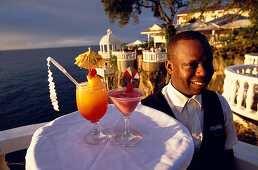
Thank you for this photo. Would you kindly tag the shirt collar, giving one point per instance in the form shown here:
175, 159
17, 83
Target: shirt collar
179, 100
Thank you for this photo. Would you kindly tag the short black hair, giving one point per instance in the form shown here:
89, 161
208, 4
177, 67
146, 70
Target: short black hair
188, 35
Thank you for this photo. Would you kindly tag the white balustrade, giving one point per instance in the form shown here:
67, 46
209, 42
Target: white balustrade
241, 89
14, 140
104, 71
251, 58
105, 55
124, 56
152, 56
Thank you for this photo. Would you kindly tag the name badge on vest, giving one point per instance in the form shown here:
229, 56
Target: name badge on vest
216, 129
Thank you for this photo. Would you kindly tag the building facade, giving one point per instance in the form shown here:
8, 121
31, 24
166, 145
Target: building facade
184, 16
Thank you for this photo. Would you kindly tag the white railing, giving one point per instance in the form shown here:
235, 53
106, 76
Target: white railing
245, 156
152, 56
241, 89
19, 138
104, 71
251, 58
105, 55
14, 140
124, 56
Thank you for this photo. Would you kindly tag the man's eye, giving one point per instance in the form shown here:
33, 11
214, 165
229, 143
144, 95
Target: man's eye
192, 65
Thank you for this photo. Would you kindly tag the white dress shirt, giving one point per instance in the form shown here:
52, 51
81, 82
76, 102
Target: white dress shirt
182, 107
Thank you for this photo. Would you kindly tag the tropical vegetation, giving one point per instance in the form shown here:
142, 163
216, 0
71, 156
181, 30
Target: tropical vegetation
165, 10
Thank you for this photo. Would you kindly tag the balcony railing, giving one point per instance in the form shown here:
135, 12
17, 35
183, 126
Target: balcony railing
241, 89
251, 58
104, 71
124, 55
105, 55
152, 56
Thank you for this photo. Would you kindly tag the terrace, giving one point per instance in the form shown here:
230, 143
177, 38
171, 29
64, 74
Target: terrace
241, 87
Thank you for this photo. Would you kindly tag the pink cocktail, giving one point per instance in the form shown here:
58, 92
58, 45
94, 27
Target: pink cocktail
126, 101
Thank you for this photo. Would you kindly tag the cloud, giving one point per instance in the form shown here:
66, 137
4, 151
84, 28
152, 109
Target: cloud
48, 23
28, 41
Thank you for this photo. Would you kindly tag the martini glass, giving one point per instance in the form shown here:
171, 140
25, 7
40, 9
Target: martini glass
126, 101
92, 103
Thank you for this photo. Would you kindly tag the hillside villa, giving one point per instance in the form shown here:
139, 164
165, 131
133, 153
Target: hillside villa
214, 24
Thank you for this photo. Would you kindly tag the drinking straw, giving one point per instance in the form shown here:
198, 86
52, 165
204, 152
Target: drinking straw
52, 90
63, 70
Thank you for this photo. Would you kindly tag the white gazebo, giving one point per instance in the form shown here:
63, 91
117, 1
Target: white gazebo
108, 43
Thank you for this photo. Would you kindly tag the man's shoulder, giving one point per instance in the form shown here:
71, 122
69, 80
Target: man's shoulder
153, 98
222, 101
158, 101
215, 94
221, 98
224, 104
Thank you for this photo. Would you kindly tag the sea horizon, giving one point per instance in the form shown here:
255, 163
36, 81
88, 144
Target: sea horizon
24, 91
40, 48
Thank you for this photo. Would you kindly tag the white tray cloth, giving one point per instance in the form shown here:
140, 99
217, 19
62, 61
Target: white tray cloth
59, 145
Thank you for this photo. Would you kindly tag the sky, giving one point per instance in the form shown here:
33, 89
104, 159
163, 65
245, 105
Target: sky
27, 24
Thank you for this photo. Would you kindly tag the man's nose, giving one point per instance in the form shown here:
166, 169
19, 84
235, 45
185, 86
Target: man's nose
201, 71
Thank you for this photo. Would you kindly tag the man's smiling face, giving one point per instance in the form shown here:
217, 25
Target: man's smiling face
191, 68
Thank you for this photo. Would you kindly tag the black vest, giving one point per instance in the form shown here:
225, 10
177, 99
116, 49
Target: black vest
211, 154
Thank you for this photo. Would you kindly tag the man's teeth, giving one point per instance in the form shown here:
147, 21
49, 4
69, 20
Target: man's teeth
198, 83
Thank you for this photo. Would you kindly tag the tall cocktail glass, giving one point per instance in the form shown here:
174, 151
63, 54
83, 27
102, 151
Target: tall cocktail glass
126, 101
92, 103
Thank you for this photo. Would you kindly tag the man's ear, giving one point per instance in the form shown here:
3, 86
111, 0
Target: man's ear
169, 66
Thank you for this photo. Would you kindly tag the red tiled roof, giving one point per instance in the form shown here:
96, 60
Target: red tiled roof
186, 11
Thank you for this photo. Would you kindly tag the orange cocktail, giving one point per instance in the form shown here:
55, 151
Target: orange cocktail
92, 102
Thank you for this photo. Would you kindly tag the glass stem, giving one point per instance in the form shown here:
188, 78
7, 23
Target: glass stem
95, 130
127, 131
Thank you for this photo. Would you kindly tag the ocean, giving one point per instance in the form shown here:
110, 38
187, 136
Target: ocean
24, 92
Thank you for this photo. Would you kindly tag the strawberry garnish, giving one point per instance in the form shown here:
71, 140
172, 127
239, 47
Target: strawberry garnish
92, 73
99, 59
129, 87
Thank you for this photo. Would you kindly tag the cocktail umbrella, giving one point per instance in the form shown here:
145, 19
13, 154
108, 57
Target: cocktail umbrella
89, 60
132, 73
